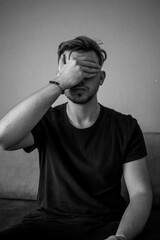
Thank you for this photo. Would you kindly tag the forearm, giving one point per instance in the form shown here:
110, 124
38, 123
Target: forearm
22, 118
135, 216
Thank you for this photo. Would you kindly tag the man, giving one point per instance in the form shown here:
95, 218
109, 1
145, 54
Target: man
83, 149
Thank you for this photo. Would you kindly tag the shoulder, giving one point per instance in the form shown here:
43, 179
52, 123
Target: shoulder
119, 118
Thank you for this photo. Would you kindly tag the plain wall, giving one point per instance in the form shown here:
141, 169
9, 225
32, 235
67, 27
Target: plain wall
31, 30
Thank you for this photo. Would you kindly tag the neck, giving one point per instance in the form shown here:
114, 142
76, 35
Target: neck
83, 115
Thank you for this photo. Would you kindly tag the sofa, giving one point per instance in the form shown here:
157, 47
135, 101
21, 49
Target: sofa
19, 173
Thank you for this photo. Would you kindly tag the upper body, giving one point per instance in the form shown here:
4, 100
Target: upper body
73, 134
82, 167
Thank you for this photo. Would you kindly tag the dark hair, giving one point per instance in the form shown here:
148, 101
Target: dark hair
82, 43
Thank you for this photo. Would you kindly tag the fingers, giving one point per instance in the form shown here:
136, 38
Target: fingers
89, 75
89, 64
74, 70
90, 70
86, 61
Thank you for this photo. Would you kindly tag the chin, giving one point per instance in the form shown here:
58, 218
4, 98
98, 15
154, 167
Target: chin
79, 98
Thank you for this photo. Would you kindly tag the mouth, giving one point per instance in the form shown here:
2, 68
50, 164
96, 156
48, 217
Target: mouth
79, 88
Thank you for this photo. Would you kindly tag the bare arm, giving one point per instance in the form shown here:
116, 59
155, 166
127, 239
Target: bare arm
16, 125
140, 193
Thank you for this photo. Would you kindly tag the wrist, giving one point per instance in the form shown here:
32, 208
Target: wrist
58, 85
62, 82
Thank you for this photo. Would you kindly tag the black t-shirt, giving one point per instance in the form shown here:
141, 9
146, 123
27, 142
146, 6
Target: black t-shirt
81, 169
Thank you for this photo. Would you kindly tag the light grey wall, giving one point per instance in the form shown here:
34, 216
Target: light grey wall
31, 30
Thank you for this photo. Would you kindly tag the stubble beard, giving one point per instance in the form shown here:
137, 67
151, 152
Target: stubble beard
80, 98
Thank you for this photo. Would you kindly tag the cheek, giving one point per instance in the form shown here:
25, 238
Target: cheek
94, 81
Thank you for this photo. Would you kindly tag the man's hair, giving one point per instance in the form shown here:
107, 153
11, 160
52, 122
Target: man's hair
82, 43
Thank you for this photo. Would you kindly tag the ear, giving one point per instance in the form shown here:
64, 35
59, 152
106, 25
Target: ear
102, 77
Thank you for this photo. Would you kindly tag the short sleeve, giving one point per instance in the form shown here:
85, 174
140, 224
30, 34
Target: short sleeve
136, 147
38, 135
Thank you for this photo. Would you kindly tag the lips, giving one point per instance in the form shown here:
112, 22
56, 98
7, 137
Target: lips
79, 88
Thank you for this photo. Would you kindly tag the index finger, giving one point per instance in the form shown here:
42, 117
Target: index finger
87, 62
85, 58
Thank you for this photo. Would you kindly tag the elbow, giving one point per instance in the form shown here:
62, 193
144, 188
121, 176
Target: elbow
7, 144
4, 144
6, 139
5, 147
